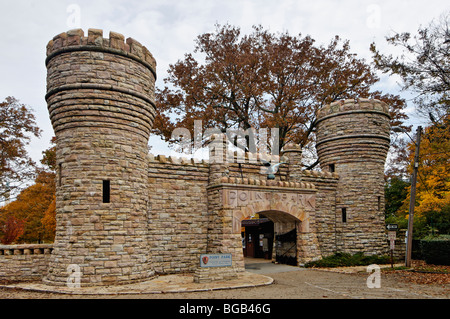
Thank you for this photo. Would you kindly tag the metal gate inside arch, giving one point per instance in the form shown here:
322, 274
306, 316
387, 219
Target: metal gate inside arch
271, 236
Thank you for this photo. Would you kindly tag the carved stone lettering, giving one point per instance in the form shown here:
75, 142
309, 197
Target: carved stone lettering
243, 197
232, 198
237, 198
311, 201
258, 196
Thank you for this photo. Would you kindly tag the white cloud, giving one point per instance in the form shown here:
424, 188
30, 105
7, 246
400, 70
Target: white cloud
168, 29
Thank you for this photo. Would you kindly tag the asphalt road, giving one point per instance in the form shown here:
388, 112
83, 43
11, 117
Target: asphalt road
289, 283
303, 283
264, 267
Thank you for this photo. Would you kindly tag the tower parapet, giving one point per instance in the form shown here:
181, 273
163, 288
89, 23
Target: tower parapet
100, 95
353, 141
293, 153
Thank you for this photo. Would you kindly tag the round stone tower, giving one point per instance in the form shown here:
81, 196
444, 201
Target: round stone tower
353, 141
100, 95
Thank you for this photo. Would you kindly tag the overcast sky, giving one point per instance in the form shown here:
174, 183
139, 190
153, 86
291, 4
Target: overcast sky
168, 30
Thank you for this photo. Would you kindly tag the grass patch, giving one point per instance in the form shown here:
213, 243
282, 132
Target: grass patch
348, 260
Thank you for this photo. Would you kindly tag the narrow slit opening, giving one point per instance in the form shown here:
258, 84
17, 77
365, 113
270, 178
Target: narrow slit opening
60, 174
331, 168
344, 215
106, 191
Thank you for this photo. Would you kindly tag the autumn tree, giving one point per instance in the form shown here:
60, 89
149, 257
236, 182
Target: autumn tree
433, 186
30, 207
222, 92
235, 81
49, 219
17, 125
432, 207
49, 157
423, 65
31, 217
10, 228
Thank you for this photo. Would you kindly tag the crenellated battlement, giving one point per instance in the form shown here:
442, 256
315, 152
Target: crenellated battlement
362, 120
183, 161
75, 40
352, 139
91, 79
176, 160
263, 183
352, 106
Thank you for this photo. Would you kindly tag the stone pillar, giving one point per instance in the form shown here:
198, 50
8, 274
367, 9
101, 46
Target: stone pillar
293, 153
100, 95
218, 160
353, 140
221, 238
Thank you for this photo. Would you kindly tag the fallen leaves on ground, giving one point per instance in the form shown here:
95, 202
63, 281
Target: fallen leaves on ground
423, 273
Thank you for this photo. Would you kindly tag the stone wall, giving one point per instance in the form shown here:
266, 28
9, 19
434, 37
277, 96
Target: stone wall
287, 204
325, 214
181, 193
24, 262
178, 213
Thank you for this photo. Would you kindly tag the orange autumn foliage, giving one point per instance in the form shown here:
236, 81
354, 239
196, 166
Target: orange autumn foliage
11, 228
433, 183
49, 219
30, 208
263, 80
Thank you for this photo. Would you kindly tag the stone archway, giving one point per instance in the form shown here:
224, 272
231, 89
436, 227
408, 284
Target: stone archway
283, 205
229, 203
279, 210
296, 220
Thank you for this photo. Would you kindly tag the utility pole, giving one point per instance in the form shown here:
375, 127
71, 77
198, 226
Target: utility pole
412, 201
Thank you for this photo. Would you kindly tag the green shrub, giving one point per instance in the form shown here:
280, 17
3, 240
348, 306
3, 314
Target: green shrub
348, 260
436, 249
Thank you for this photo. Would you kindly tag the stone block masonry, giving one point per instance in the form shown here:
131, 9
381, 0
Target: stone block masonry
100, 95
353, 141
24, 262
178, 213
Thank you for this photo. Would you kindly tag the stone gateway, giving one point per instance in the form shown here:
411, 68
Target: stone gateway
124, 216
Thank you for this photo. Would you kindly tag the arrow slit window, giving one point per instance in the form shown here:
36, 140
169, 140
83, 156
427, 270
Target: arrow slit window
106, 191
59, 174
344, 215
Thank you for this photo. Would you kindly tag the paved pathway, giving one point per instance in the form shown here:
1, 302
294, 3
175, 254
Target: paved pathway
263, 266
158, 285
262, 280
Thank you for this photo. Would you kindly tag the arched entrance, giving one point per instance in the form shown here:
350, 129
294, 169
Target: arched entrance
290, 206
274, 236
257, 237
